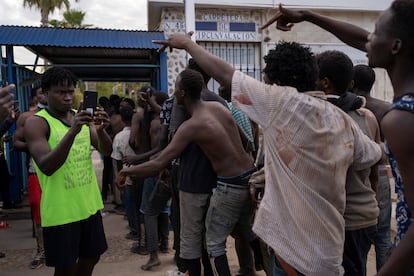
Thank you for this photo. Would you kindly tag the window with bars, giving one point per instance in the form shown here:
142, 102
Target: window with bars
243, 56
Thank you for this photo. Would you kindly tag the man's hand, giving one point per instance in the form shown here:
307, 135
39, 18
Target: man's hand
257, 186
14, 112
6, 101
130, 160
120, 180
101, 119
145, 96
176, 40
285, 18
81, 118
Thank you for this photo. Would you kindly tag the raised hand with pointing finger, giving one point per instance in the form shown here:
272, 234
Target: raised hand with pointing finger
285, 18
176, 40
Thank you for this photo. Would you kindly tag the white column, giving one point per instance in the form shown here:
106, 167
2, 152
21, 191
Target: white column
189, 10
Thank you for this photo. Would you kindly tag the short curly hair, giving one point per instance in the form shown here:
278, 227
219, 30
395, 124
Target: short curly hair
57, 76
364, 77
291, 64
192, 83
337, 67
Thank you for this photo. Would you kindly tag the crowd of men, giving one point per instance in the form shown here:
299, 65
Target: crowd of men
325, 144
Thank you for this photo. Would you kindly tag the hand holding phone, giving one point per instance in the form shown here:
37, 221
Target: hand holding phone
90, 101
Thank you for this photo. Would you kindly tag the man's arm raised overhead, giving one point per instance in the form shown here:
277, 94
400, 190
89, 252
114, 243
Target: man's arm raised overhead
346, 32
215, 67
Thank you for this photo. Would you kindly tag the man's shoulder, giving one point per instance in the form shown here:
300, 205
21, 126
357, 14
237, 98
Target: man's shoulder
24, 116
377, 105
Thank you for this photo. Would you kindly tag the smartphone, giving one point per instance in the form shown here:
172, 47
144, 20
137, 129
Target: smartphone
90, 101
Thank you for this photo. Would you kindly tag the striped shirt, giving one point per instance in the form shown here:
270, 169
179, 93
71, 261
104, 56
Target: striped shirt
243, 121
309, 145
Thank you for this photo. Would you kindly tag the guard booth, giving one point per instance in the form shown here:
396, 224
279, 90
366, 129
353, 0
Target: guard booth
91, 54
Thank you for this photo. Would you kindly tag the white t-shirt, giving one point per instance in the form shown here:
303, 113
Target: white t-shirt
121, 148
309, 145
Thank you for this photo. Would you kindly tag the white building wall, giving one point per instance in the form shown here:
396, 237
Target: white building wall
370, 5
172, 20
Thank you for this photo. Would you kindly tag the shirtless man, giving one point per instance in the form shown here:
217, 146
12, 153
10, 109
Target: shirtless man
155, 209
212, 127
33, 181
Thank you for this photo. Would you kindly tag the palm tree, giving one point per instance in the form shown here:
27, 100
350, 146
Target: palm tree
72, 19
46, 7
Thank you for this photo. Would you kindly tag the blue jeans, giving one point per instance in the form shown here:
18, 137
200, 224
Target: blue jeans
382, 240
130, 199
227, 208
149, 185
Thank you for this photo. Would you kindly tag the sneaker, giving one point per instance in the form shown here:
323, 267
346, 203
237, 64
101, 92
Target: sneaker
176, 272
38, 260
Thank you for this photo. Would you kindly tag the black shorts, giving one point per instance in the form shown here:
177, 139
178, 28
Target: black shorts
64, 244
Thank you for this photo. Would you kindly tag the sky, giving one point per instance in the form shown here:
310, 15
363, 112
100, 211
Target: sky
110, 14
107, 14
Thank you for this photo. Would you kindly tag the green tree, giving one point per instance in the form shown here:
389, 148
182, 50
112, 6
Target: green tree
46, 7
71, 19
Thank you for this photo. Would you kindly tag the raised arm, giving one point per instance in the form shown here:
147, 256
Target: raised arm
346, 32
136, 125
215, 67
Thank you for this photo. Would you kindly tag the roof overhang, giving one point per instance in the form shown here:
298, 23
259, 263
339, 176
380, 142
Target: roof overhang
92, 54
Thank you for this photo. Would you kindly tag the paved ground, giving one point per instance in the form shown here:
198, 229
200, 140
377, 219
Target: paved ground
19, 245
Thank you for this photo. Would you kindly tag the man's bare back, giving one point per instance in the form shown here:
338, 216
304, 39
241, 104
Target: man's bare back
215, 131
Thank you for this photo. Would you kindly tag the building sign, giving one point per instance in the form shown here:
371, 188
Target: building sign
212, 25
225, 31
